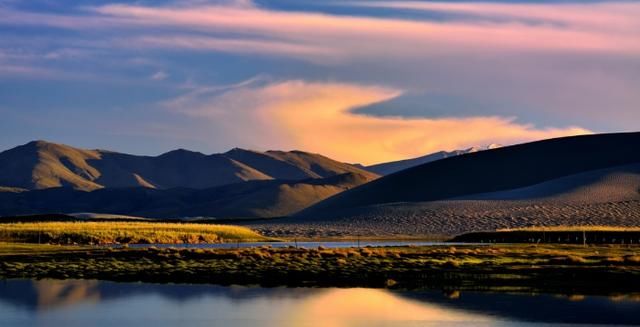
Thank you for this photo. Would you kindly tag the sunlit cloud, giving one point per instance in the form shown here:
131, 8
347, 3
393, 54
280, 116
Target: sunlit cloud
362, 35
318, 117
603, 16
534, 70
607, 27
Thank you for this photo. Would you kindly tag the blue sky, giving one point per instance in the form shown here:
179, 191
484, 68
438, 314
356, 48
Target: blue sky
358, 80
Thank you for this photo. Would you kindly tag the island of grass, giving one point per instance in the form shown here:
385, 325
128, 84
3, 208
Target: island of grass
568, 269
543, 267
90, 233
557, 234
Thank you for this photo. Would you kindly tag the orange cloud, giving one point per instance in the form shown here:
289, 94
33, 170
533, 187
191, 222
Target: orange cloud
318, 117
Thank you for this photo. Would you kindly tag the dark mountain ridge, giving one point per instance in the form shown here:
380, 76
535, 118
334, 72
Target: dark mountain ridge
499, 169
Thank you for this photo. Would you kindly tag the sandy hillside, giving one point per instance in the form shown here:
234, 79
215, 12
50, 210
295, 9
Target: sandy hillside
501, 169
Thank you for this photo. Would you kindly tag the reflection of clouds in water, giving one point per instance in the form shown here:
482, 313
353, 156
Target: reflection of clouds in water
28, 303
344, 307
59, 293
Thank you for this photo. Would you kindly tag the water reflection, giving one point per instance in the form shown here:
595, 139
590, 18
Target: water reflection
92, 303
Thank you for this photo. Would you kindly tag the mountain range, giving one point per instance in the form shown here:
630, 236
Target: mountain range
387, 168
41, 165
579, 180
590, 179
45, 177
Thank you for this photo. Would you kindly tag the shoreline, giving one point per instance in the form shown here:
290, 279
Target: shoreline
595, 270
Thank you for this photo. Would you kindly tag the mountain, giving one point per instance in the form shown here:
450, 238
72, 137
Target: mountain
599, 197
395, 166
41, 165
252, 199
591, 179
495, 170
293, 164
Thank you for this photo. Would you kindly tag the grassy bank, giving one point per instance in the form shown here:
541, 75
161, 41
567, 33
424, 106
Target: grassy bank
557, 234
123, 232
549, 268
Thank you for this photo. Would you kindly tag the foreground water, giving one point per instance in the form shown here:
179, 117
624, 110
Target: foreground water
96, 303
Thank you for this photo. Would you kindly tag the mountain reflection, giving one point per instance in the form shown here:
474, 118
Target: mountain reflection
51, 294
58, 301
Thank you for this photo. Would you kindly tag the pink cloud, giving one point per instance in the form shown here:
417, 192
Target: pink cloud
597, 28
236, 45
606, 16
587, 30
317, 116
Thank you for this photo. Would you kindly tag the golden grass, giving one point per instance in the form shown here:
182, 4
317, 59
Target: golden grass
572, 229
32, 249
496, 267
124, 232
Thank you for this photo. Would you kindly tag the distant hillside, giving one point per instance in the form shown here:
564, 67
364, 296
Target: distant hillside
293, 164
587, 180
41, 165
252, 199
490, 171
395, 166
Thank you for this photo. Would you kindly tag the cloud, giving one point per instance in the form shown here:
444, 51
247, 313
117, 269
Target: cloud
594, 28
241, 26
610, 16
319, 117
159, 76
549, 63
229, 45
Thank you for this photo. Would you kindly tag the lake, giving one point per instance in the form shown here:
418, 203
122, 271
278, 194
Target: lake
97, 303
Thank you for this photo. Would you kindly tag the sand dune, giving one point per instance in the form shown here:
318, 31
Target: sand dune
586, 180
489, 171
454, 217
621, 183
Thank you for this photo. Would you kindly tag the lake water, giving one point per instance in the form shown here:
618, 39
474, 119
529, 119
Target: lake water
94, 303
308, 245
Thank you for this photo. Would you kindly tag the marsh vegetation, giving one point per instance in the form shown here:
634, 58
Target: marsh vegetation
505, 267
557, 234
124, 233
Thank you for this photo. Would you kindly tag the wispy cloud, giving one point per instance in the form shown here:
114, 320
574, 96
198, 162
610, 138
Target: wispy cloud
552, 64
159, 76
236, 45
318, 116
606, 27
587, 30
610, 16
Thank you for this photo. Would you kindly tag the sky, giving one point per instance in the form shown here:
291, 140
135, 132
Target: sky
362, 81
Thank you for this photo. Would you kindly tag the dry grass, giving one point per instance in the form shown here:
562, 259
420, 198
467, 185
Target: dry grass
124, 232
572, 229
585, 270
